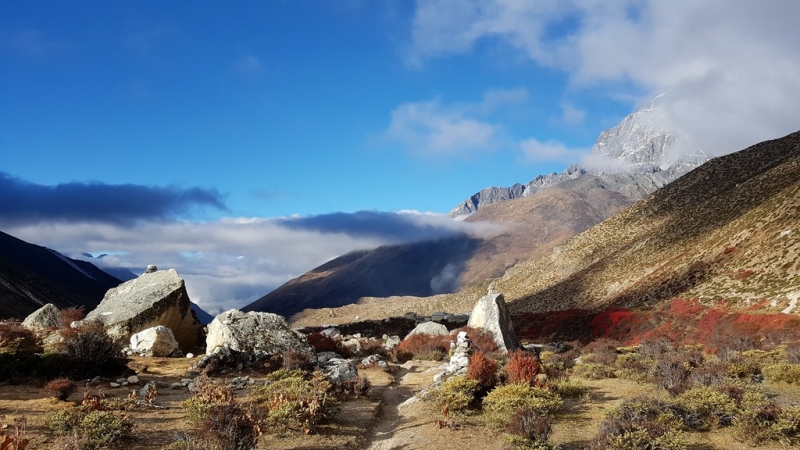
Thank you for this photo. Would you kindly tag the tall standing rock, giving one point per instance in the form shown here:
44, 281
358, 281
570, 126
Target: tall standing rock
491, 313
157, 298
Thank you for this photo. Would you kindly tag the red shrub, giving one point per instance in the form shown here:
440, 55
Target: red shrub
321, 343
480, 339
483, 370
11, 331
423, 346
522, 366
60, 388
68, 315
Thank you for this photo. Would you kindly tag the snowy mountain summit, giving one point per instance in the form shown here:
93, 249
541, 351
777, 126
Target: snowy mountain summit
639, 155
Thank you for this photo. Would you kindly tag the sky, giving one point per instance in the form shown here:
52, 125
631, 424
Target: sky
244, 143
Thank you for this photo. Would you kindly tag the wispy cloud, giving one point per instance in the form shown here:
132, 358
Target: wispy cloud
149, 42
432, 128
729, 69
23, 202
33, 44
248, 66
535, 151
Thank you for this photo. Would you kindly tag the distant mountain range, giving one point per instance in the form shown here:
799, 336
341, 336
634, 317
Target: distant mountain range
628, 162
32, 276
726, 233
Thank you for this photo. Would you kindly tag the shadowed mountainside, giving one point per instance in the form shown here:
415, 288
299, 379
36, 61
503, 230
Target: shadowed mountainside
32, 276
727, 231
525, 228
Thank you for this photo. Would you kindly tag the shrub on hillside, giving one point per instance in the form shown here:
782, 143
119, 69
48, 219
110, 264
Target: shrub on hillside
68, 315
455, 394
592, 371
703, 408
529, 430
296, 403
480, 340
566, 388
422, 346
602, 351
640, 423
502, 402
60, 388
672, 375
766, 421
93, 429
321, 342
484, 371
785, 372
231, 426
93, 350
522, 367
12, 332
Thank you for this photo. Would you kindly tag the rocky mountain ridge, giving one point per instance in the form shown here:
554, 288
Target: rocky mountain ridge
636, 157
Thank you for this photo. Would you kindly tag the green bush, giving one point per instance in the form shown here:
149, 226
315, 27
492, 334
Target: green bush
594, 371
566, 388
703, 408
94, 430
502, 402
785, 372
457, 393
529, 430
769, 422
640, 423
294, 402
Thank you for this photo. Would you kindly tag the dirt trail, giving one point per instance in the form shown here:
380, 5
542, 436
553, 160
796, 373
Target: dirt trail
396, 425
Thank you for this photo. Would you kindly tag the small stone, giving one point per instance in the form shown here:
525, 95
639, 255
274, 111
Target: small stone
121, 380
96, 380
114, 385
125, 383
189, 355
133, 379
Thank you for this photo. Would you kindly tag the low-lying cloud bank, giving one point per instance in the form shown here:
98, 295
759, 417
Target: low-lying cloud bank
230, 262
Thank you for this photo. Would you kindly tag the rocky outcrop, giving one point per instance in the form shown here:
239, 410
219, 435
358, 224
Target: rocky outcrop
259, 334
491, 313
43, 318
157, 298
335, 368
429, 328
155, 341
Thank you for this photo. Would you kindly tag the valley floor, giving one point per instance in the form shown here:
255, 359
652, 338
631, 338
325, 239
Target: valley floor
386, 420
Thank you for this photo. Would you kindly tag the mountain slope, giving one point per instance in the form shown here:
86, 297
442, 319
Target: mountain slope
634, 158
32, 276
729, 231
525, 228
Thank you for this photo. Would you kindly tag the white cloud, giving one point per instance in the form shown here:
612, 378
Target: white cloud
533, 151
729, 68
571, 114
231, 262
431, 128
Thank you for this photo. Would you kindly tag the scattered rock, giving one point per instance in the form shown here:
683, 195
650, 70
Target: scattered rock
156, 341
189, 355
157, 298
133, 379
353, 345
114, 385
491, 313
374, 360
250, 339
391, 342
338, 370
429, 328
151, 268
332, 333
43, 318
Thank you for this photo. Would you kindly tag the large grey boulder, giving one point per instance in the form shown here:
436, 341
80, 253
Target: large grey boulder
335, 368
152, 299
259, 334
491, 313
43, 318
429, 328
157, 341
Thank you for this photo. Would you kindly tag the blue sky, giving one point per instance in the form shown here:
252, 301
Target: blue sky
124, 123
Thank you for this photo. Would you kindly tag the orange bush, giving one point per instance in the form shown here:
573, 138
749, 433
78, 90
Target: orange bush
423, 346
522, 366
68, 315
483, 370
321, 342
